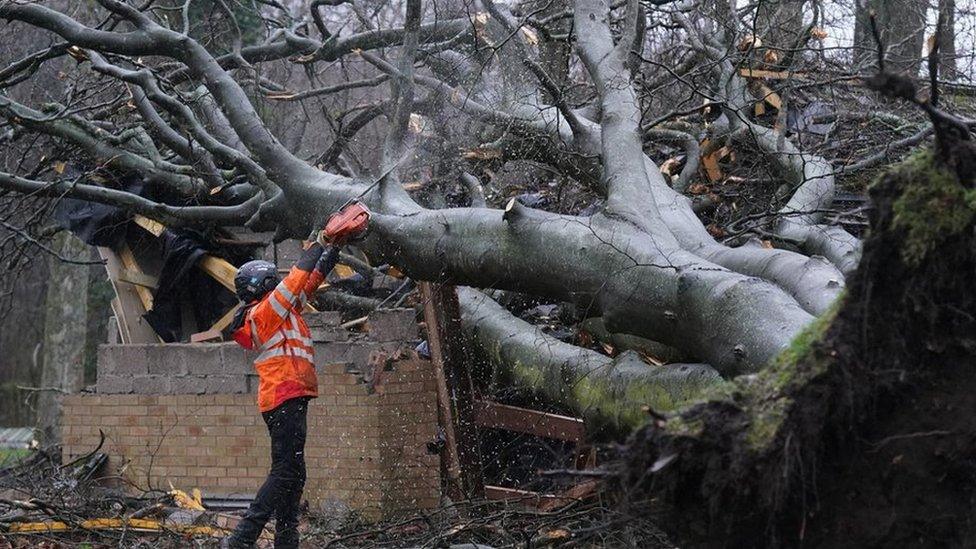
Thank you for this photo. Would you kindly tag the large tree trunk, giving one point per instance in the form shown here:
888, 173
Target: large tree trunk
858, 436
947, 40
65, 326
902, 27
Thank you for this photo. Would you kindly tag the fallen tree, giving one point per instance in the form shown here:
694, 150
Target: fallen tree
643, 262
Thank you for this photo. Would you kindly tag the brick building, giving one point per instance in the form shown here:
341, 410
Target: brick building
185, 414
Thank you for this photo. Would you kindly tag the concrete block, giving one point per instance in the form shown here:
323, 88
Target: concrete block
236, 359
356, 353
204, 359
253, 382
113, 384
150, 385
328, 333
393, 325
167, 360
225, 384
133, 359
322, 318
109, 360
187, 385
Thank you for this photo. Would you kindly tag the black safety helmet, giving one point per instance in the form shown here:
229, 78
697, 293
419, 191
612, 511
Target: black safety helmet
254, 279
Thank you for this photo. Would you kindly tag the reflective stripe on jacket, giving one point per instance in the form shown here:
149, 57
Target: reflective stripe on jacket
285, 363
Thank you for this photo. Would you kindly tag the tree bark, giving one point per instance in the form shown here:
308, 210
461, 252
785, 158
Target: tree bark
65, 326
901, 24
947, 40
611, 393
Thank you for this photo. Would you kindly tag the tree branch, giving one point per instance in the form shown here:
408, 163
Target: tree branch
164, 213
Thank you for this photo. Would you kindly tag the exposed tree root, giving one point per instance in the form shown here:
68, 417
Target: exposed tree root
877, 389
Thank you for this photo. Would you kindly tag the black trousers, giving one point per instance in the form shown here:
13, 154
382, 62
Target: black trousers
281, 493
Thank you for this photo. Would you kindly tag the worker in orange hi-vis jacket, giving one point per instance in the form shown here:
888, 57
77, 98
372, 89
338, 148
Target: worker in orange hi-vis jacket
270, 321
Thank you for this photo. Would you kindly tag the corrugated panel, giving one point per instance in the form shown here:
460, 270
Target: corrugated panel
16, 437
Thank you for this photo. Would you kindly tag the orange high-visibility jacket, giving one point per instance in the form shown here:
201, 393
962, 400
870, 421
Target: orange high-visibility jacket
285, 365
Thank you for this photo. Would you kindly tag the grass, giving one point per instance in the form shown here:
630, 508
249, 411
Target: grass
8, 456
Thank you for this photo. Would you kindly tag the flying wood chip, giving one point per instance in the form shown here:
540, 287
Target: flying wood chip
749, 41
715, 231
710, 163
670, 166
416, 123
771, 97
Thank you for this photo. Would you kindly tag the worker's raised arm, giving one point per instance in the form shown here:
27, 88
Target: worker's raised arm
291, 294
327, 261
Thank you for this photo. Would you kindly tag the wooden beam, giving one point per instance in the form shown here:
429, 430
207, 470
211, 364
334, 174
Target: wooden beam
450, 464
540, 501
510, 418
207, 335
775, 75
129, 263
220, 269
127, 305
153, 227
578, 492
225, 320
139, 279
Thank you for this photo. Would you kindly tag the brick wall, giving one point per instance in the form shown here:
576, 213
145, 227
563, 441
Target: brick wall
186, 415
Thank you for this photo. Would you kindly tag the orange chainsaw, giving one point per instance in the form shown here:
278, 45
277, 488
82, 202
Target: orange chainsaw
350, 222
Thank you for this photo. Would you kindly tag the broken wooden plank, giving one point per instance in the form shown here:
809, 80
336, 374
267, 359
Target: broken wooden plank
219, 269
540, 501
139, 279
128, 525
207, 335
153, 227
450, 464
128, 307
774, 75
224, 321
442, 299
511, 418
524, 497
578, 492
771, 97
129, 263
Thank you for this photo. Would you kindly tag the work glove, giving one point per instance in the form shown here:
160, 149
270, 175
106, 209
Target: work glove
327, 261
310, 257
